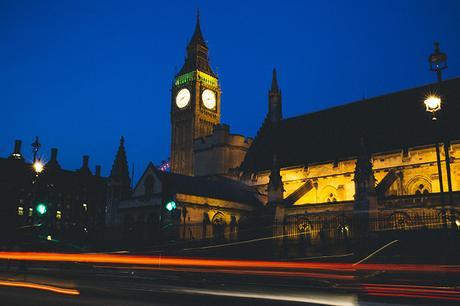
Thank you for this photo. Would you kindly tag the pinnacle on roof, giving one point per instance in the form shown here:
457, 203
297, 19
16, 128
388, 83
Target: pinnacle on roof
363, 170
120, 170
197, 37
274, 87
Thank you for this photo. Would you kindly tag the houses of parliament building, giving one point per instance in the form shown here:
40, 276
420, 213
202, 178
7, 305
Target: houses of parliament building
373, 162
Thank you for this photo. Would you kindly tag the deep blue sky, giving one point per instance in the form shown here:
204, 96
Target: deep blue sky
82, 73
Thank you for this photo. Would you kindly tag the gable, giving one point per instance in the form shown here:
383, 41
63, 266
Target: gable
151, 178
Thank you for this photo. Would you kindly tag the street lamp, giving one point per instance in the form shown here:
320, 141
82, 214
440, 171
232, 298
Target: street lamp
433, 104
438, 62
38, 166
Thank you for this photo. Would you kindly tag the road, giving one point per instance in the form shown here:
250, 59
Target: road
211, 282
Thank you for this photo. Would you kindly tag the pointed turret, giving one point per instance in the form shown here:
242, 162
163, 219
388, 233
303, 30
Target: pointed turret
364, 176
197, 52
119, 184
365, 217
274, 101
120, 171
274, 87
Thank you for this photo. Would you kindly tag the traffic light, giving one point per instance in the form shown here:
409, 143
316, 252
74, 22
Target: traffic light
41, 209
170, 206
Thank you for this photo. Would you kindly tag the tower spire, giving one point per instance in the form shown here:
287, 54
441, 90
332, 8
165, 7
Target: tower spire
120, 171
197, 52
275, 112
274, 82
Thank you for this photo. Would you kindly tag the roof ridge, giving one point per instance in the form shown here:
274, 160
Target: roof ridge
371, 98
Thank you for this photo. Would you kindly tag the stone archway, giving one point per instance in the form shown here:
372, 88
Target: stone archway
328, 195
218, 226
419, 185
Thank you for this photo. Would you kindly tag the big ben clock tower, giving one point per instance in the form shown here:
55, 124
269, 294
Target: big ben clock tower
195, 103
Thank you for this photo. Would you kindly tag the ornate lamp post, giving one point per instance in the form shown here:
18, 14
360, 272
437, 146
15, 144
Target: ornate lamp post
438, 62
35, 147
433, 104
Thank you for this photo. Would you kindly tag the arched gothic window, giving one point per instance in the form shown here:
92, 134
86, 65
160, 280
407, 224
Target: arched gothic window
328, 195
419, 185
331, 198
422, 189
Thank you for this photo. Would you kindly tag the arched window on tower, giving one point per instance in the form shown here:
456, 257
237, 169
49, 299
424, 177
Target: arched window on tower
148, 185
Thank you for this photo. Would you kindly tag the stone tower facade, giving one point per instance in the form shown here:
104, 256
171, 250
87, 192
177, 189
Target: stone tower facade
195, 104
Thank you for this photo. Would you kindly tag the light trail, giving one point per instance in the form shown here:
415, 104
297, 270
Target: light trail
412, 291
375, 252
240, 272
222, 263
39, 287
311, 297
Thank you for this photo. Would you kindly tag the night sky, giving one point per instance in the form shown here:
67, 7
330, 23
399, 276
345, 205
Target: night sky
80, 74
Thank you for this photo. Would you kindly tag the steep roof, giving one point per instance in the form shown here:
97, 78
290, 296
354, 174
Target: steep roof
212, 187
390, 122
197, 53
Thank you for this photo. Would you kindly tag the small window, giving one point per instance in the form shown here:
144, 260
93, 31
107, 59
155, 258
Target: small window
422, 190
331, 198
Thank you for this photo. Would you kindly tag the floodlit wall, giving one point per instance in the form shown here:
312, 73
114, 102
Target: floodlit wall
416, 171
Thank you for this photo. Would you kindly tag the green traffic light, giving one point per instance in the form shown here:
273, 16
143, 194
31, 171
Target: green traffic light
41, 208
171, 205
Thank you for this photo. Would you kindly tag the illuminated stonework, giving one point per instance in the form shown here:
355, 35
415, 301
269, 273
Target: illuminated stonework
414, 168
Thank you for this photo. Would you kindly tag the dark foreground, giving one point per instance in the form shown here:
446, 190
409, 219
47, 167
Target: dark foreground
70, 283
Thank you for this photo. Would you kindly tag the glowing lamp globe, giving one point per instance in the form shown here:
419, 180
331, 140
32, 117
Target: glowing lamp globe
38, 166
432, 104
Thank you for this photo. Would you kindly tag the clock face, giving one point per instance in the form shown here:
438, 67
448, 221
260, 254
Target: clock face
183, 98
209, 99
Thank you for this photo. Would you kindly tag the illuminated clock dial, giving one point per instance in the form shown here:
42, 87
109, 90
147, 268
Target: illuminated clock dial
209, 99
182, 98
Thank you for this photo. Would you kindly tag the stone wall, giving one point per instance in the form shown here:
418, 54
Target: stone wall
333, 181
219, 152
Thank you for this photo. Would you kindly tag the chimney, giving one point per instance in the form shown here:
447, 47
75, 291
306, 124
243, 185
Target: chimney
85, 164
17, 146
17, 150
53, 163
54, 153
98, 171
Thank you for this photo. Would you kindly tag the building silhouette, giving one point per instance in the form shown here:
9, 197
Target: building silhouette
56, 205
333, 175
